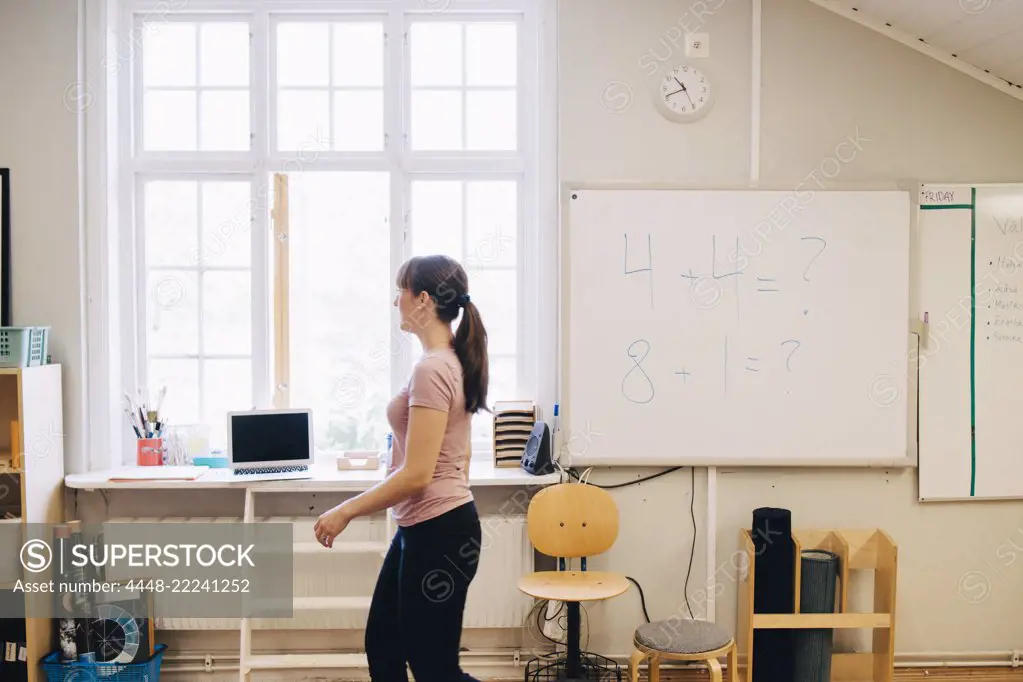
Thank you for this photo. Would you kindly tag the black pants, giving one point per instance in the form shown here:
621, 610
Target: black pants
416, 615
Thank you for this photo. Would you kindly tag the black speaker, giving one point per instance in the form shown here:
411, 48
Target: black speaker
537, 457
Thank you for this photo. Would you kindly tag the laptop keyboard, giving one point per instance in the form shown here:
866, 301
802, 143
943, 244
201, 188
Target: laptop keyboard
271, 470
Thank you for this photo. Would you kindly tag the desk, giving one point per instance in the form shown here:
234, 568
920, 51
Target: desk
326, 477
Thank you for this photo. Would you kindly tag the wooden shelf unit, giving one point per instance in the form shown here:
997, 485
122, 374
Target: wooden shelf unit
866, 549
32, 396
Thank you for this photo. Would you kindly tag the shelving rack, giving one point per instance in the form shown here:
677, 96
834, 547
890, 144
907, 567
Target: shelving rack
32, 397
249, 661
858, 550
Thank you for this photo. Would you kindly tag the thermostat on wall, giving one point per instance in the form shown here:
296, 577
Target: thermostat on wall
698, 45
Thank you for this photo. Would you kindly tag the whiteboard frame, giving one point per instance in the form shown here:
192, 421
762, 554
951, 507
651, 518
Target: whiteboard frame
563, 453
914, 306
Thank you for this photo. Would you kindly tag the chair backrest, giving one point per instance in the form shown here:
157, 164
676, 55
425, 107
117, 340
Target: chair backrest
572, 520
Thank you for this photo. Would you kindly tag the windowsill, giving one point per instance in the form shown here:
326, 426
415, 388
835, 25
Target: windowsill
325, 477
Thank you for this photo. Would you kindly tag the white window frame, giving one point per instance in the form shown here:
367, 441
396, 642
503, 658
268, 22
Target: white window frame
116, 353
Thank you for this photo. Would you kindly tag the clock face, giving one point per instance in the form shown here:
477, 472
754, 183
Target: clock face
685, 92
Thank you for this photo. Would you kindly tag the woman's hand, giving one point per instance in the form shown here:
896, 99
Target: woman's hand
330, 525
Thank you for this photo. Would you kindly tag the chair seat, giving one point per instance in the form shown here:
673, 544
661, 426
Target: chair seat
573, 585
680, 636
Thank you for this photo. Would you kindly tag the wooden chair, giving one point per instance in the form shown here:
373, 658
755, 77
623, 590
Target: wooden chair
569, 521
683, 640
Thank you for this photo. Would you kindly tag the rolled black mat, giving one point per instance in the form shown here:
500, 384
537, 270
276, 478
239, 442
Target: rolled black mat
774, 591
819, 573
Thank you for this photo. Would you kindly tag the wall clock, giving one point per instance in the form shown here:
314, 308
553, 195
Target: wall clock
684, 94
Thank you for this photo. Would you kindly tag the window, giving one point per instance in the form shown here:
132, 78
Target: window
344, 143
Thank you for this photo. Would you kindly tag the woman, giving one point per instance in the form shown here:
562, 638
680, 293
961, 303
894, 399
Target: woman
416, 614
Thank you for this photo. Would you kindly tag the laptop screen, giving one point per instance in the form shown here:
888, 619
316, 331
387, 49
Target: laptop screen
266, 437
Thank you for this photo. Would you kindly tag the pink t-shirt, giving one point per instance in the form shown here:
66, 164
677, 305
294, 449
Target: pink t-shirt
436, 383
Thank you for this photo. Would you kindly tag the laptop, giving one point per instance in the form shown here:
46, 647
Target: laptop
270, 445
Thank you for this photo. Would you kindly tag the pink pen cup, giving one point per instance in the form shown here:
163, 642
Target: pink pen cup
149, 452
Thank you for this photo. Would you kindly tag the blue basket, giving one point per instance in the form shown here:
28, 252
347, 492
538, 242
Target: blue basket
146, 671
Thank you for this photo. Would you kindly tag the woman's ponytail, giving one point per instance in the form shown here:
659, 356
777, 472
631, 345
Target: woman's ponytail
448, 285
471, 349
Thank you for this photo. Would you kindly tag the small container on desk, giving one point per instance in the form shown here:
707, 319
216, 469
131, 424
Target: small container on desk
149, 452
513, 423
352, 460
24, 346
143, 671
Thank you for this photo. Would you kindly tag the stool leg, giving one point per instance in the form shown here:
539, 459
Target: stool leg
715, 669
634, 662
733, 664
655, 668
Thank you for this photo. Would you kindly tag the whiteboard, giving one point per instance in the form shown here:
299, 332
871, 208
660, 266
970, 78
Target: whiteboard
738, 327
971, 363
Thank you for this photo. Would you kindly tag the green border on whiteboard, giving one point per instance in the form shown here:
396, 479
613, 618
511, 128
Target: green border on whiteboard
972, 207
973, 340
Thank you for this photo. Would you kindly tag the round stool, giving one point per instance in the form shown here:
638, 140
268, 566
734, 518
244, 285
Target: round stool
683, 640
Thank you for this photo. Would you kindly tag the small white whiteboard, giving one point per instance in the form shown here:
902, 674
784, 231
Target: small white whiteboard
971, 366
740, 327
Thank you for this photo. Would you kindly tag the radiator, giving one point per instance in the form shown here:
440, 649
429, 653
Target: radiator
494, 600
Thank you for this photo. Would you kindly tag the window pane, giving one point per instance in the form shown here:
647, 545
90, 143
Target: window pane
502, 386
226, 224
359, 120
436, 54
493, 292
503, 380
303, 121
225, 54
171, 217
172, 312
491, 224
436, 218
224, 116
491, 120
227, 387
303, 54
181, 377
168, 53
491, 54
226, 313
436, 120
169, 121
341, 293
359, 54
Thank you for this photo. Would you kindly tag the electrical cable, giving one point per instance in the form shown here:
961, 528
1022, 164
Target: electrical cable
642, 597
539, 625
692, 516
585, 478
575, 474
692, 550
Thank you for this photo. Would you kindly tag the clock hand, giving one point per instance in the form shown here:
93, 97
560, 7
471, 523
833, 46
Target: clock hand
682, 85
675, 93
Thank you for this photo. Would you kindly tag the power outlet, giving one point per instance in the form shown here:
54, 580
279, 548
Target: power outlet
1015, 658
698, 45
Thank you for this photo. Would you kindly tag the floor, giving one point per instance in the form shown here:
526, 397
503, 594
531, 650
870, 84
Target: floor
901, 675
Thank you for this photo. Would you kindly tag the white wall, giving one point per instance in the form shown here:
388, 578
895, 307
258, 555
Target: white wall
39, 143
825, 81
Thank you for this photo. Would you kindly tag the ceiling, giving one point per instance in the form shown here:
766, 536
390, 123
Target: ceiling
983, 38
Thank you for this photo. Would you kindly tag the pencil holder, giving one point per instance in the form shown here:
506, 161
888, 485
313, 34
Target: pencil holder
149, 452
